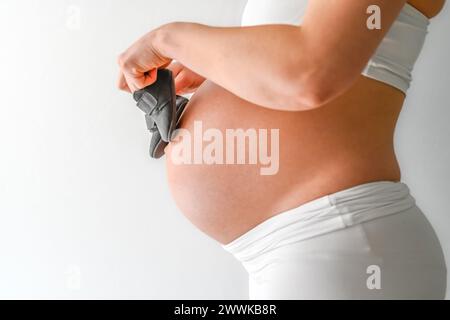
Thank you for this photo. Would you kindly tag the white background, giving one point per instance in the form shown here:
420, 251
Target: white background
84, 213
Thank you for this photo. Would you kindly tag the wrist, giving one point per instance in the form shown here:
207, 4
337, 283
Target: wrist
164, 39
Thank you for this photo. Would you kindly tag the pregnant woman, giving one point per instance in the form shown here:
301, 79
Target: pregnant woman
326, 80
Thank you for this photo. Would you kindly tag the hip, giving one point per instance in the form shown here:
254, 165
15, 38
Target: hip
369, 241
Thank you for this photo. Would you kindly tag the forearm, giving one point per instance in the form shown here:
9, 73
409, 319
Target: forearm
281, 67
268, 65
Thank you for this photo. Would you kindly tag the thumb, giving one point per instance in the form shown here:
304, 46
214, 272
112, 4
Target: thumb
139, 80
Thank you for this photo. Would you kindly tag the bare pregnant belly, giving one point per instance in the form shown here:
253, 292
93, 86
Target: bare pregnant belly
317, 152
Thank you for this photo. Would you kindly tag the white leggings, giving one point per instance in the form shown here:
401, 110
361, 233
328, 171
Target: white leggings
370, 241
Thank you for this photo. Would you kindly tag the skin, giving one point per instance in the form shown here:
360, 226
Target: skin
336, 126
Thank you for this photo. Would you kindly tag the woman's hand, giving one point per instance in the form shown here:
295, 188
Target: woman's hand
186, 80
140, 62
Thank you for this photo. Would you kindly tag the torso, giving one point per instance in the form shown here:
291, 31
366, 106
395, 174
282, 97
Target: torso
347, 142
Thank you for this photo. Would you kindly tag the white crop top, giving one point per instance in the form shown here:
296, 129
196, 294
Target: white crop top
394, 58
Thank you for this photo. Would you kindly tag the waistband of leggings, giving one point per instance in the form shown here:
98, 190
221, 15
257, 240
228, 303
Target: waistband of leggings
332, 212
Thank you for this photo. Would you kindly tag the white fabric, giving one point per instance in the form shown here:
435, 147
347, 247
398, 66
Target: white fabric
394, 59
325, 248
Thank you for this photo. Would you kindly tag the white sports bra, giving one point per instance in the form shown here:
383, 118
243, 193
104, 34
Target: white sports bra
393, 60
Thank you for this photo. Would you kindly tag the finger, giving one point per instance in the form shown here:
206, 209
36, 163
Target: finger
138, 80
175, 67
182, 82
165, 65
122, 83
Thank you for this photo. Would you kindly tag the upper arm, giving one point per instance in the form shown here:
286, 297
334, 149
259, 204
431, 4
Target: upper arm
339, 43
428, 8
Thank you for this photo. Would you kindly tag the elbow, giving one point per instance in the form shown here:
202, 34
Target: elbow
309, 95
316, 93
295, 95
300, 91
317, 87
